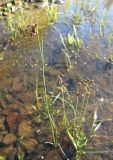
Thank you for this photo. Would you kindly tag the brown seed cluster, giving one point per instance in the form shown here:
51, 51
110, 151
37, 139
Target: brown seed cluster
85, 88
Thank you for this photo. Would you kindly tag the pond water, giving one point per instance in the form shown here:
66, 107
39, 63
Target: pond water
20, 64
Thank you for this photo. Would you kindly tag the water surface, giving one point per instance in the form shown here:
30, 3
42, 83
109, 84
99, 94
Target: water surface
19, 62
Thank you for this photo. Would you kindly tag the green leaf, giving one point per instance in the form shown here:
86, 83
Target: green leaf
98, 125
2, 158
71, 138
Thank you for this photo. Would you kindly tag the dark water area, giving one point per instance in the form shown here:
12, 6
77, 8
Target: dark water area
20, 64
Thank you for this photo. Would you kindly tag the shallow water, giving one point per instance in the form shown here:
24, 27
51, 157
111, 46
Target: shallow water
20, 61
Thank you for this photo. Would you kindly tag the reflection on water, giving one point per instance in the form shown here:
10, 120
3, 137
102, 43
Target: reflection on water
108, 3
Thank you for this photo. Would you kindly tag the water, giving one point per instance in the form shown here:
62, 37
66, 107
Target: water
19, 62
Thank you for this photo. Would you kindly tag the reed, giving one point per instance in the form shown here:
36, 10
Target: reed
47, 99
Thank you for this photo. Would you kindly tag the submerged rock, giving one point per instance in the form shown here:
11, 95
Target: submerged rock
27, 97
97, 157
42, 138
16, 85
9, 98
8, 152
29, 145
71, 84
3, 104
12, 120
25, 129
9, 139
53, 155
1, 123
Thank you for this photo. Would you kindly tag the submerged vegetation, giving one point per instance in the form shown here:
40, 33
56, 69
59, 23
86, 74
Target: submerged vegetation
63, 103
20, 24
70, 126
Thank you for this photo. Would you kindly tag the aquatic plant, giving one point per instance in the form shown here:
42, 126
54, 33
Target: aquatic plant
52, 13
109, 59
102, 26
76, 19
110, 41
89, 7
47, 99
66, 52
20, 24
96, 123
7, 8
1, 158
72, 44
17, 23
74, 127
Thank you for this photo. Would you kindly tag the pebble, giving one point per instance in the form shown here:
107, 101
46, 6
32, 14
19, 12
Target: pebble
9, 139
25, 129
30, 145
1, 124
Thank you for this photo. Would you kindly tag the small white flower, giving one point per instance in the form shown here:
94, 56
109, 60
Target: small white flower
101, 99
